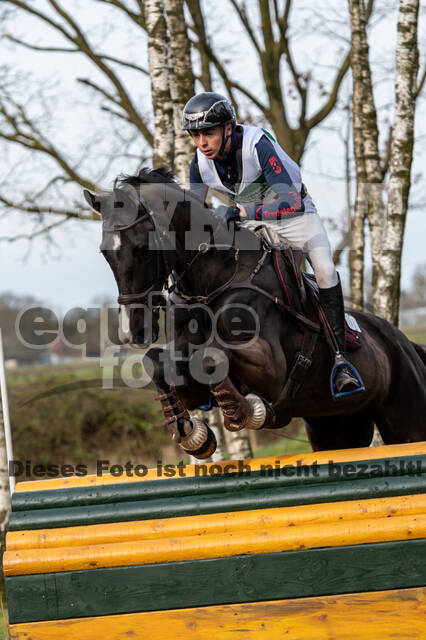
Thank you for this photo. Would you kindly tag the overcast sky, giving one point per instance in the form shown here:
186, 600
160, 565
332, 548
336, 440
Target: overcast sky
72, 272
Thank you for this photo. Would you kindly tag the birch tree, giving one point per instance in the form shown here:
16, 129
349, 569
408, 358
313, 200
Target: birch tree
158, 58
368, 202
386, 224
387, 291
170, 67
182, 84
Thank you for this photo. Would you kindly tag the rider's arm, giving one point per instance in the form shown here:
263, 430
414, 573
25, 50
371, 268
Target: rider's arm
289, 201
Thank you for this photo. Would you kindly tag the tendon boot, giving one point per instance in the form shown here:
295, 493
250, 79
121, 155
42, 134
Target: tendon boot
344, 379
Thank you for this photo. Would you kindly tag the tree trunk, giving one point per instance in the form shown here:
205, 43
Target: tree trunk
356, 256
387, 291
181, 84
366, 148
163, 150
238, 443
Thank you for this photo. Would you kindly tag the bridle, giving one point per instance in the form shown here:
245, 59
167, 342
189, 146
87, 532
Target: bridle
142, 298
162, 257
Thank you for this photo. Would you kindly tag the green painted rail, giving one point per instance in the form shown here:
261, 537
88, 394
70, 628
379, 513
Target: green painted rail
218, 502
244, 578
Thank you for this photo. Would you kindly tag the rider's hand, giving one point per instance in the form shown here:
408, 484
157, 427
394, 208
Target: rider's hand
232, 214
243, 212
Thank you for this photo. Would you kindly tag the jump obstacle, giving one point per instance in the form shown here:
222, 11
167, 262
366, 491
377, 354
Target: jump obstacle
294, 546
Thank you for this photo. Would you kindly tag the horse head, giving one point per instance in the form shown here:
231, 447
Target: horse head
136, 248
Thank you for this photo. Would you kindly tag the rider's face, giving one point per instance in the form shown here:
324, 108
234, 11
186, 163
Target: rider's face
209, 141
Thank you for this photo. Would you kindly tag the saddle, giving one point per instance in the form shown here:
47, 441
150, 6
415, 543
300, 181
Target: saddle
305, 300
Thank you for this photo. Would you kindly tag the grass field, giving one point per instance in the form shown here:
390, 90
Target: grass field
416, 334
3, 617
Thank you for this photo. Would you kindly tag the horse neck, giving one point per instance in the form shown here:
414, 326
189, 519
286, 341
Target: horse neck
209, 230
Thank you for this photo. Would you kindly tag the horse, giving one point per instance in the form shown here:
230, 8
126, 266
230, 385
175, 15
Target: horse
235, 338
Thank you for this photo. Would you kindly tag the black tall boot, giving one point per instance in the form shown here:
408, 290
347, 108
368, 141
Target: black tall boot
345, 378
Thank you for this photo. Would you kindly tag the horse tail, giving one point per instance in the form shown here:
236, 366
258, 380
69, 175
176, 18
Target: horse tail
420, 352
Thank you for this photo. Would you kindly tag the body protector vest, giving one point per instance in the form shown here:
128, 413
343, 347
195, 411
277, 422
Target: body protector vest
253, 188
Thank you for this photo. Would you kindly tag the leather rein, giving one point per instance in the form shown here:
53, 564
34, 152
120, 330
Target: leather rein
245, 284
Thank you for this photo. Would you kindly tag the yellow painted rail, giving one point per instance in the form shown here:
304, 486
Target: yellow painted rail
396, 614
266, 540
216, 523
321, 457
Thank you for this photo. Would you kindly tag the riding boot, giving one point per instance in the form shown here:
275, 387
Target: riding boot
345, 378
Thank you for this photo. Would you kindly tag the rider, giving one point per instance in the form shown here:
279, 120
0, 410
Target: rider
246, 164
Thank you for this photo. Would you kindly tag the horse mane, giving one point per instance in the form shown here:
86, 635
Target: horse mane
145, 176
163, 175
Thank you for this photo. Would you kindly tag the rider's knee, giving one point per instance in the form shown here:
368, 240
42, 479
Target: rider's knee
326, 275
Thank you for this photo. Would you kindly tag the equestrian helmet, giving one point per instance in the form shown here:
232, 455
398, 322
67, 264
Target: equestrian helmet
206, 110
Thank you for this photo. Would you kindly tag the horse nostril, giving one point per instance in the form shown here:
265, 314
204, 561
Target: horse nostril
123, 337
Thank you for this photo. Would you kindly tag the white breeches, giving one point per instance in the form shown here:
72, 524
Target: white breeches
307, 233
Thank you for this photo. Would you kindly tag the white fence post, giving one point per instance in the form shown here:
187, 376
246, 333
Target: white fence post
6, 416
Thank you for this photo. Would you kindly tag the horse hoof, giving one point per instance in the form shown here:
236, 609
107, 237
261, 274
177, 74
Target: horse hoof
258, 417
208, 448
200, 442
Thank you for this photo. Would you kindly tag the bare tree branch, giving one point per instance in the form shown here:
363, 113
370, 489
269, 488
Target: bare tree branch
285, 49
35, 234
265, 15
44, 209
343, 243
199, 28
329, 105
246, 92
138, 18
99, 89
116, 114
242, 14
221, 70
34, 140
421, 82
79, 39
124, 63
34, 47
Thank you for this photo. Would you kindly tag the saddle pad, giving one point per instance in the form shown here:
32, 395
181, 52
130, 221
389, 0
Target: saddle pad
309, 294
353, 333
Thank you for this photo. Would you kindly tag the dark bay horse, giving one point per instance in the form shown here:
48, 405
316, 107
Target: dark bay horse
239, 343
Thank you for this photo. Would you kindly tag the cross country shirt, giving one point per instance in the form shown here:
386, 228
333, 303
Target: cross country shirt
255, 173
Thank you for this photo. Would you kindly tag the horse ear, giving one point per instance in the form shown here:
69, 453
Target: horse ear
93, 201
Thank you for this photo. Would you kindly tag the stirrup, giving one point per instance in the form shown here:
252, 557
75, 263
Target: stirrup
339, 363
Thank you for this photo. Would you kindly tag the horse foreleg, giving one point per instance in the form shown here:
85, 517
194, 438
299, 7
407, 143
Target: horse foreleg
251, 366
191, 433
239, 412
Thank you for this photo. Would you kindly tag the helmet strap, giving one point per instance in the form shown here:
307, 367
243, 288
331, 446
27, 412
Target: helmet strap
224, 140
